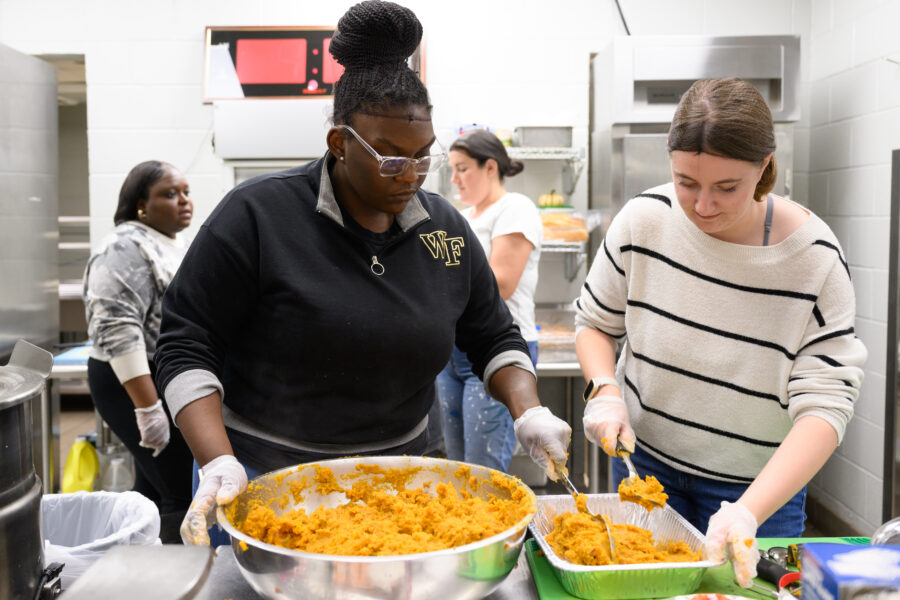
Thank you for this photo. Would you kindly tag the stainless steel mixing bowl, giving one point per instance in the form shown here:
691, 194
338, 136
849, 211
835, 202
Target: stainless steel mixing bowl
470, 571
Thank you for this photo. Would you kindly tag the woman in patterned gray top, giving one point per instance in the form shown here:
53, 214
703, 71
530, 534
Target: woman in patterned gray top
123, 287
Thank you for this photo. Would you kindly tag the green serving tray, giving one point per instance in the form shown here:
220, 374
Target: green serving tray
715, 580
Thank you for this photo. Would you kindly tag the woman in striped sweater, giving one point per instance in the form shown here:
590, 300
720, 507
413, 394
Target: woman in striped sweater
733, 311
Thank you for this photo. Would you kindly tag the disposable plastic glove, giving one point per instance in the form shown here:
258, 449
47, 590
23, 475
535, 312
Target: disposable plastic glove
732, 532
154, 427
605, 421
545, 436
223, 478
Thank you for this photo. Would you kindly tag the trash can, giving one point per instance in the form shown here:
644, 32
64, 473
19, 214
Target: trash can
78, 528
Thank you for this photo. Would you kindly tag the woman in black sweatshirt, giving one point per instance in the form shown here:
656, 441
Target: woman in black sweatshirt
316, 305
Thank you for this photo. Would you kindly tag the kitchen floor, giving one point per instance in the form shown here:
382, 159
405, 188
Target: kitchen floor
77, 418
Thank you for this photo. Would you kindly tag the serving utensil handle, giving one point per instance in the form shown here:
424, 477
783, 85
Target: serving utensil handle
625, 455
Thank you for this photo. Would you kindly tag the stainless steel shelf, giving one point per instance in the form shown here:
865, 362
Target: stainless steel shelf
574, 255
573, 158
70, 290
74, 221
555, 246
81, 246
543, 153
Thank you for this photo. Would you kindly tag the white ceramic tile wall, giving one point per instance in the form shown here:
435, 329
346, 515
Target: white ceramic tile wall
854, 108
144, 63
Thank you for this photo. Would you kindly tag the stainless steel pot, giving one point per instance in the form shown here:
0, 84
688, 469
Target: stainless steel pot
21, 549
463, 573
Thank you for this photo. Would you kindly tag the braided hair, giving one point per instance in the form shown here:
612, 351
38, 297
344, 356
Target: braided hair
373, 40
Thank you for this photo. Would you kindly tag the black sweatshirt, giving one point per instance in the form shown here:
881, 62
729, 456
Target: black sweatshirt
276, 305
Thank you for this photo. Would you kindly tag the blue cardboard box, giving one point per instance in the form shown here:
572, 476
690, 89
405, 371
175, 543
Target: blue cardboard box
845, 572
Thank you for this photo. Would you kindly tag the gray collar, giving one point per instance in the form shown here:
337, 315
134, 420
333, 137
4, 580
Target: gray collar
412, 215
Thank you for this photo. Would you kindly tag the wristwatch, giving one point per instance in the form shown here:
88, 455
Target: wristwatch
595, 384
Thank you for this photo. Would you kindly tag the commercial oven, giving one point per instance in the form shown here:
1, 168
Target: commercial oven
637, 82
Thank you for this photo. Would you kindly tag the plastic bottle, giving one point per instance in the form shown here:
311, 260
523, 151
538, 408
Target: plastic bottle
117, 477
82, 466
888, 533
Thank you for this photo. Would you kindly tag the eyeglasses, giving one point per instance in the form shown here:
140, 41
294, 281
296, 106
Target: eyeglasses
392, 166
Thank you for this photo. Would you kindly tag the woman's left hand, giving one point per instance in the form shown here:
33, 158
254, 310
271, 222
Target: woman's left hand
545, 436
154, 427
732, 531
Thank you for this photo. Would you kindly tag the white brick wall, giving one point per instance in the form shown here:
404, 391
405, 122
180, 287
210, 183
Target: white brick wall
854, 108
144, 73
485, 63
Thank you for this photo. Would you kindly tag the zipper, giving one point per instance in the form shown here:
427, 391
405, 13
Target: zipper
376, 267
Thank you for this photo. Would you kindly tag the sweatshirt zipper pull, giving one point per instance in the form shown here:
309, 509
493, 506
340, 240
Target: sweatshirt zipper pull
376, 267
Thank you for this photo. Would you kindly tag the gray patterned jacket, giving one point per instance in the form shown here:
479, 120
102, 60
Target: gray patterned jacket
124, 284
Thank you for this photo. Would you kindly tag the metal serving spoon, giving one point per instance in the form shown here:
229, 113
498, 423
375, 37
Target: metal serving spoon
567, 483
625, 455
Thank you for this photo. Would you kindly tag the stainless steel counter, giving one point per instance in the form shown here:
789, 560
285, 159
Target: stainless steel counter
558, 369
225, 581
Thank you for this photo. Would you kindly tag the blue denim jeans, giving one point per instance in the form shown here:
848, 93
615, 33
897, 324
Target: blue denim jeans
698, 498
477, 429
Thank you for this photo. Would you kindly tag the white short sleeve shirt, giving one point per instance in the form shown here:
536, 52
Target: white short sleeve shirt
514, 213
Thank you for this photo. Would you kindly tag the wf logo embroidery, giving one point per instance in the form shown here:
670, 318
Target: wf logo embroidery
442, 247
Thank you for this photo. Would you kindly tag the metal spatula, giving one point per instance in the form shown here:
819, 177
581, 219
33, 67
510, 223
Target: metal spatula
567, 483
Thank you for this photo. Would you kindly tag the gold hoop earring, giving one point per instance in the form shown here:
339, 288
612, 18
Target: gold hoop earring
141, 214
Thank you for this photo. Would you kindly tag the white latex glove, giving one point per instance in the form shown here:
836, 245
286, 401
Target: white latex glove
605, 421
222, 479
154, 427
545, 436
732, 532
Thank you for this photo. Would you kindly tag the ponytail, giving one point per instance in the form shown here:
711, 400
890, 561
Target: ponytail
767, 181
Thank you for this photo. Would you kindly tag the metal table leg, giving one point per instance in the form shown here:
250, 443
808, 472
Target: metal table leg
46, 422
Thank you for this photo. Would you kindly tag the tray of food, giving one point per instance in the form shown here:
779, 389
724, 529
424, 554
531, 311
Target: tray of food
659, 552
563, 225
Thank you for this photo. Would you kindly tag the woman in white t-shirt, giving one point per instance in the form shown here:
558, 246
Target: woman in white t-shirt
476, 428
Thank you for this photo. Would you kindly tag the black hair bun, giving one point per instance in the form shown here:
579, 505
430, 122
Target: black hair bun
375, 32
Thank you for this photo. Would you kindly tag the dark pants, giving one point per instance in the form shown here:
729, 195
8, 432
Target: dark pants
165, 479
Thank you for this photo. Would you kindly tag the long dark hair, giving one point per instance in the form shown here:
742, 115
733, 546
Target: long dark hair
137, 186
482, 145
373, 40
729, 118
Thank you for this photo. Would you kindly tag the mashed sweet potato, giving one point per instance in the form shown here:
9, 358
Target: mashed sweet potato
581, 540
646, 492
384, 516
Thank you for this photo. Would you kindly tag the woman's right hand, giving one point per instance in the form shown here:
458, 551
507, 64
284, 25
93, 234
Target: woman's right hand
223, 478
545, 437
605, 421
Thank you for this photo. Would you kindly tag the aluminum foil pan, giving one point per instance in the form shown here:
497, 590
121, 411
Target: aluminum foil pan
656, 580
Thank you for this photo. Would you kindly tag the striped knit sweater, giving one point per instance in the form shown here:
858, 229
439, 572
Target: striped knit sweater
725, 345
